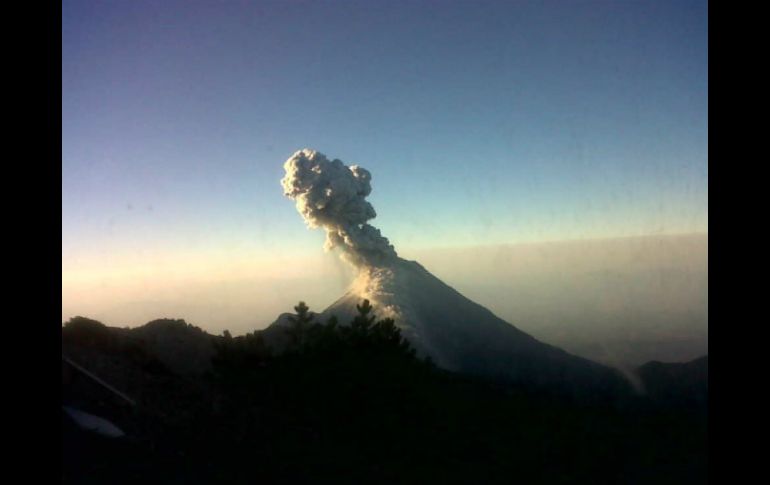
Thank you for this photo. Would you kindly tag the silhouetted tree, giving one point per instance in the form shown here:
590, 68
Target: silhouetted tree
362, 323
324, 338
299, 324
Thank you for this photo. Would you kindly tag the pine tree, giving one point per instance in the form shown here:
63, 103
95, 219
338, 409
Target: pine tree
299, 324
362, 323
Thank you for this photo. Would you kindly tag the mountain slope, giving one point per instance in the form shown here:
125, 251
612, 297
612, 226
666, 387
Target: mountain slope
461, 335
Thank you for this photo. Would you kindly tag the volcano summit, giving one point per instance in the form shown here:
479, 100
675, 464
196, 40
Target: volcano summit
458, 334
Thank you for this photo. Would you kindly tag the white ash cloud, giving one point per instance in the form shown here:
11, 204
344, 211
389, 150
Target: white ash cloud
331, 195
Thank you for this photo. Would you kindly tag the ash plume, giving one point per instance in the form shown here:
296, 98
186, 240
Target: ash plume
331, 195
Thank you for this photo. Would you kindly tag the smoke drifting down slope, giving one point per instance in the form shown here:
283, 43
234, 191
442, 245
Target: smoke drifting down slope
331, 195
457, 333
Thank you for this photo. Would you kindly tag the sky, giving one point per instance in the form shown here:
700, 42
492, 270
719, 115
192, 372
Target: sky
482, 123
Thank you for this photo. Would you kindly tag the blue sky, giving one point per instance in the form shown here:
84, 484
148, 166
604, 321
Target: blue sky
481, 122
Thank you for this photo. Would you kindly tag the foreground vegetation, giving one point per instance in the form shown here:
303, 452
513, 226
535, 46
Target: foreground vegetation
353, 404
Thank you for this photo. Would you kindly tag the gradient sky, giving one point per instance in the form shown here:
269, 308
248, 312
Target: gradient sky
481, 122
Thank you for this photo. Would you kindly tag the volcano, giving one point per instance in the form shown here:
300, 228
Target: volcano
458, 334
462, 336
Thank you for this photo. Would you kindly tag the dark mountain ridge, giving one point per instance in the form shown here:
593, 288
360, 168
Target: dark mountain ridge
354, 404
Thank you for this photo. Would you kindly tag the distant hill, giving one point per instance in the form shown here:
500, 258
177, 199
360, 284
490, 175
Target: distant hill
172, 344
182, 347
683, 384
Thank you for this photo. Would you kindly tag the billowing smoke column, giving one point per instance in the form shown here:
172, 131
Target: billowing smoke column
331, 195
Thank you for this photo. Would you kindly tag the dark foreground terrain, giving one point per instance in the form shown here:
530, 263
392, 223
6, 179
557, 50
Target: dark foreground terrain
352, 404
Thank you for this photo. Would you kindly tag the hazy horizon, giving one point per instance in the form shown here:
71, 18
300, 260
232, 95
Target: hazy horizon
612, 298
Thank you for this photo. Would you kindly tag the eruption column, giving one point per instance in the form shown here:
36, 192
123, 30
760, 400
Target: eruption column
331, 195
